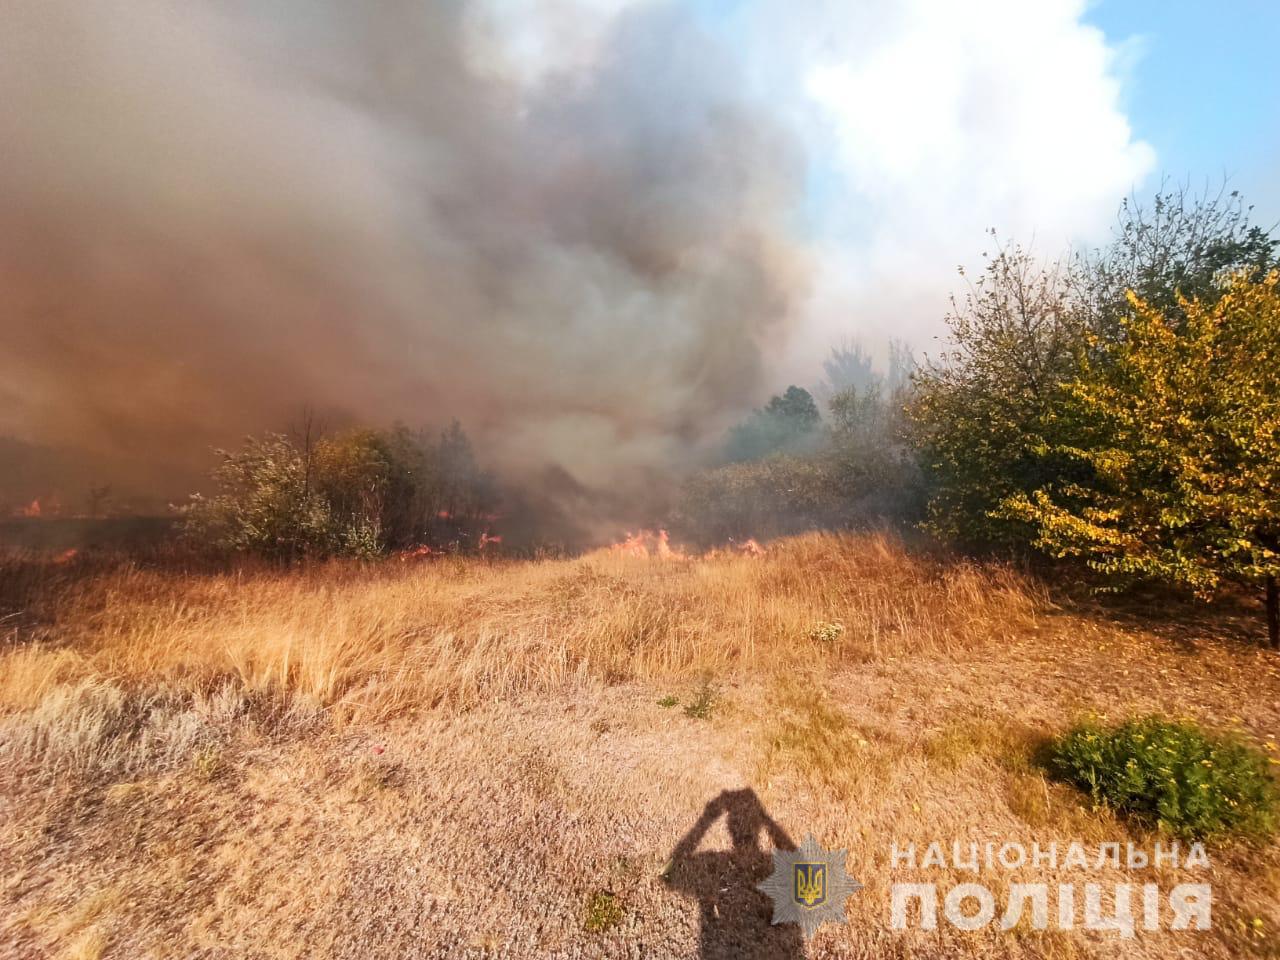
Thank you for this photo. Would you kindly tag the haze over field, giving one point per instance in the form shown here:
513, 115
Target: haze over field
595, 232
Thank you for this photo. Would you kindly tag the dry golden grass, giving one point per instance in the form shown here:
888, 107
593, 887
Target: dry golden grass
364, 642
455, 758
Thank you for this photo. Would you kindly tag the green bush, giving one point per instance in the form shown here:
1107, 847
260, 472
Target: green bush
355, 494
767, 498
989, 415
704, 701
602, 912
1174, 775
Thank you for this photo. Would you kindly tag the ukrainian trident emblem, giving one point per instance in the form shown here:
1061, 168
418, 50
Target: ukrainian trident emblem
811, 884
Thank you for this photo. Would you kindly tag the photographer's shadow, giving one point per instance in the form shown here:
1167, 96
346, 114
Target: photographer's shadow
736, 917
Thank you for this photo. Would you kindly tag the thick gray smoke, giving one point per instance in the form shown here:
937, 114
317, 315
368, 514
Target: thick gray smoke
214, 213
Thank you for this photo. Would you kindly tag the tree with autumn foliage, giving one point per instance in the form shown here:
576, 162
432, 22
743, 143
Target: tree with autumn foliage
981, 415
1170, 433
986, 415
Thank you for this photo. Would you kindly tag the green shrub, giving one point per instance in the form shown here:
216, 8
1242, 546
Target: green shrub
766, 498
855, 471
602, 912
356, 494
704, 700
1174, 775
990, 416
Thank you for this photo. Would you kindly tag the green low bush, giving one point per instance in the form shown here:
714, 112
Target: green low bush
602, 912
355, 494
1174, 775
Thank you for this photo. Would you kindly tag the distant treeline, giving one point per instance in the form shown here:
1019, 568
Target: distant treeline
787, 468
1117, 407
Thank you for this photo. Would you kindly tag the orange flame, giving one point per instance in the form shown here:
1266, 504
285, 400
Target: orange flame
30, 510
633, 545
647, 543
415, 553
747, 548
666, 551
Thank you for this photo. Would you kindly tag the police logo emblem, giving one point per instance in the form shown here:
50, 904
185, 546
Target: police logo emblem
809, 886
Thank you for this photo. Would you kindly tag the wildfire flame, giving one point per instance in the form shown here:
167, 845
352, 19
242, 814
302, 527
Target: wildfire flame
415, 553
657, 544
646, 543
47, 505
422, 551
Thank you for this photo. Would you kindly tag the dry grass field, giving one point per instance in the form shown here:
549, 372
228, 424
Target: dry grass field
466, 758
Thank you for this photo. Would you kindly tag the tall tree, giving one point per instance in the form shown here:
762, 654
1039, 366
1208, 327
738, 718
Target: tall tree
788, 423
987, 415
849, 365
1177, 246
981, 413
1176, 427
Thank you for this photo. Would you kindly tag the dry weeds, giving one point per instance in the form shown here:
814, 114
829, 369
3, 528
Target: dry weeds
457, 758
370, 642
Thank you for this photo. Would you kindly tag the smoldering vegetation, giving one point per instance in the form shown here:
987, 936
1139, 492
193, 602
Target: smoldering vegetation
840, 460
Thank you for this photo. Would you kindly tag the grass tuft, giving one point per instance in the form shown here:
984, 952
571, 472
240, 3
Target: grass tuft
603, 911
704, 702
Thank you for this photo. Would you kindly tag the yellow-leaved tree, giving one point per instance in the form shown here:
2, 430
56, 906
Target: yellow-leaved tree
1177, 424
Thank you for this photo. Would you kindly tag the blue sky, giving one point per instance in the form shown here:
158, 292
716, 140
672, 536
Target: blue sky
1201, 81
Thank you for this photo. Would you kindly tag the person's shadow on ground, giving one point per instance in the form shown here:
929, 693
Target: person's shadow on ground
736, 917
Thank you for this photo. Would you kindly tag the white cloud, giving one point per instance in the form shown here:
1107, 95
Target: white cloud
1002, 107
926, 123
934, 122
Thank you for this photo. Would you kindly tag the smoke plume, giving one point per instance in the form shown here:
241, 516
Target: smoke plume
212, 214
